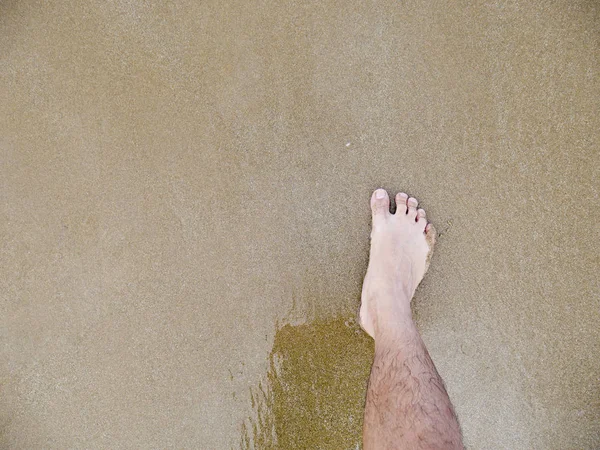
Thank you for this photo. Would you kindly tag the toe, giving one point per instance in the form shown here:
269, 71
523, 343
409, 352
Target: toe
430, 234
380, 203
421, 218
401, 199
412, 208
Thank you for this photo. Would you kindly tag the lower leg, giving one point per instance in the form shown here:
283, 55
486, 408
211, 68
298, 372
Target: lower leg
407, 406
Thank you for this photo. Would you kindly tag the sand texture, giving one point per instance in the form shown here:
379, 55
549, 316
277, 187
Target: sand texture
184, 216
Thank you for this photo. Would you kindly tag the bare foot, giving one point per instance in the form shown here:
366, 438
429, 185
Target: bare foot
401, 247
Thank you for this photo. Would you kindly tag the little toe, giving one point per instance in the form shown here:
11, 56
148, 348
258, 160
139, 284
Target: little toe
430, 234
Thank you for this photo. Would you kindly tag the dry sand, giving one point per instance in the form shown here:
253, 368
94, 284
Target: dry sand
180, 180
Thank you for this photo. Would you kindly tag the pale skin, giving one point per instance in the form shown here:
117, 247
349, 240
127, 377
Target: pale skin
407, 406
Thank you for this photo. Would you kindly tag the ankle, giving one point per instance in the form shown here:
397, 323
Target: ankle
395, 333
391, 309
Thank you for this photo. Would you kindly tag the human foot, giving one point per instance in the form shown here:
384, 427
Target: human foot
401, 247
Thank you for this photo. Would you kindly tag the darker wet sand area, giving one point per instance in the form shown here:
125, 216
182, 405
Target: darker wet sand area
314, 393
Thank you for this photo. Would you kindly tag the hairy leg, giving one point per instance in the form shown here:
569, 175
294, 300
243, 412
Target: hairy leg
407, 404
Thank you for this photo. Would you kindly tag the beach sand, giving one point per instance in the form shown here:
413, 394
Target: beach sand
185, 217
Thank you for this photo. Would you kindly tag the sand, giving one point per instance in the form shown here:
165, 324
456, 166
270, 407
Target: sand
184, 208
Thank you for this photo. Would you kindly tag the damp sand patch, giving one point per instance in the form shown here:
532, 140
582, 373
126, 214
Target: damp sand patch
314, 393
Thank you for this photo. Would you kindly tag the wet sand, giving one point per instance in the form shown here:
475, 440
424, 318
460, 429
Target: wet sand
185, 196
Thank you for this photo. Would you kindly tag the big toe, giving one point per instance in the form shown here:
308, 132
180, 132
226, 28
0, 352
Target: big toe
380, 203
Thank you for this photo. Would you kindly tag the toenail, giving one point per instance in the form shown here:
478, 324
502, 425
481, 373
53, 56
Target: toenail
380, 194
